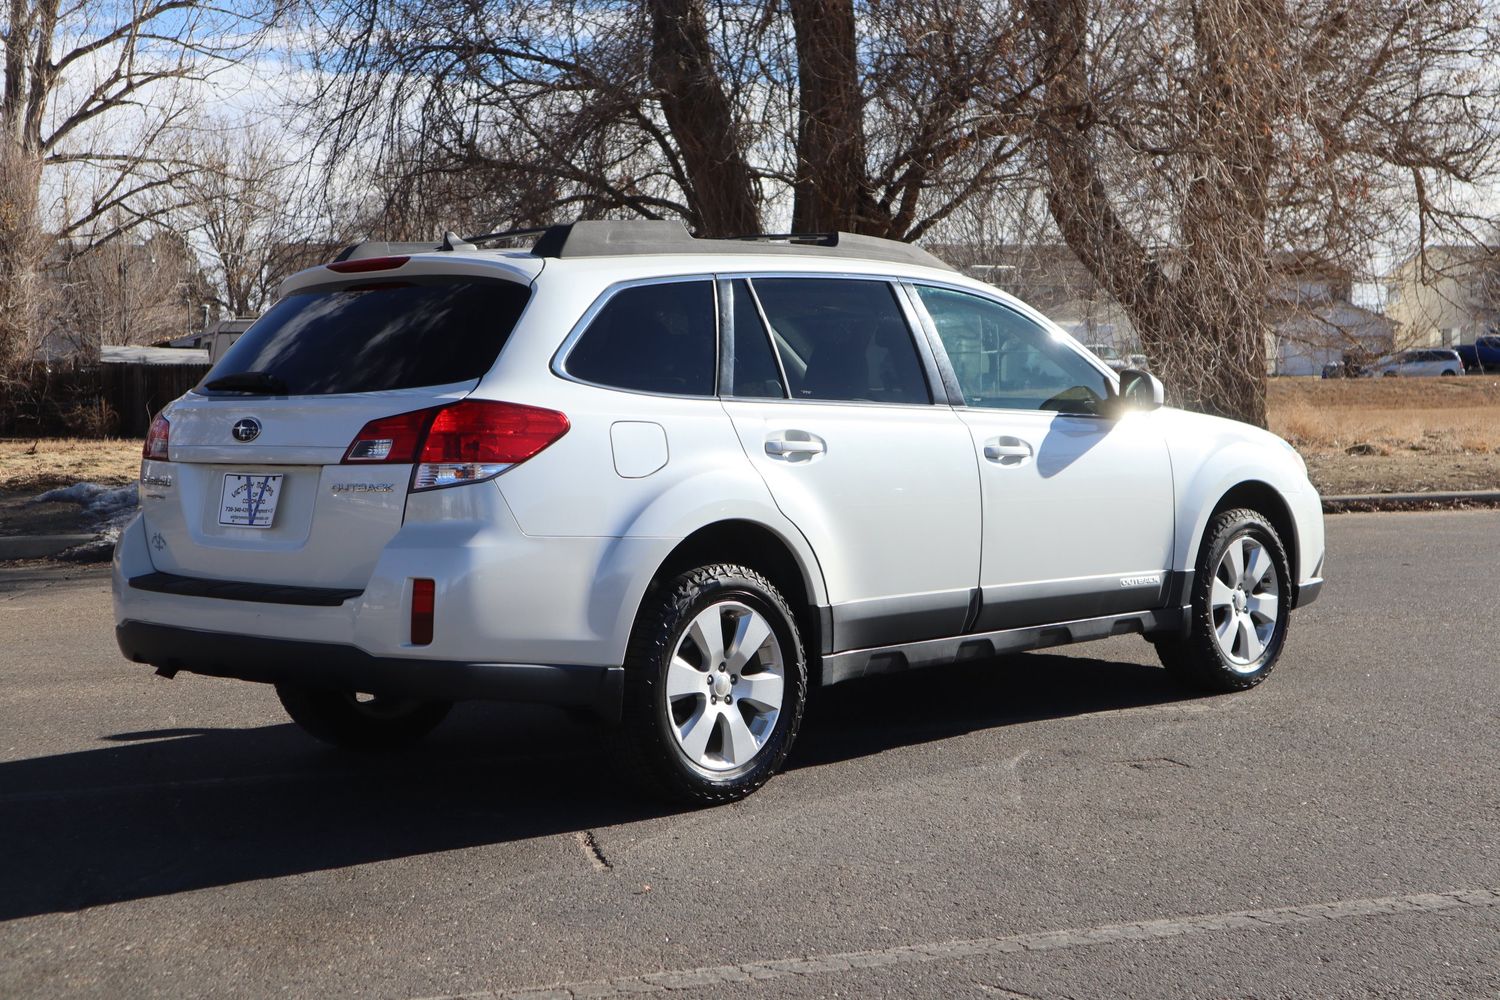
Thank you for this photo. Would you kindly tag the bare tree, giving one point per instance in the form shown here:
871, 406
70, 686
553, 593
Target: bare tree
723, 114
127, 291
249, 209
96, 91
1184, 142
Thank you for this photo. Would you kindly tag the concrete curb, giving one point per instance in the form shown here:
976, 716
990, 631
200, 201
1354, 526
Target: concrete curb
1410, 501
39, 546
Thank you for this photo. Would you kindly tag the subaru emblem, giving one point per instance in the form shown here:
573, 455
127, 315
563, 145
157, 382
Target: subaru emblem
247, 429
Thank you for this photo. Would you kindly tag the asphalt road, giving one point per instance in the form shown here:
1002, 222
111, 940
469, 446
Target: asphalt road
1043, 826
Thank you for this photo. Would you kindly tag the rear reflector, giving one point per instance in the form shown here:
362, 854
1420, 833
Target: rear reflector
157, 439
423, 601
367, 264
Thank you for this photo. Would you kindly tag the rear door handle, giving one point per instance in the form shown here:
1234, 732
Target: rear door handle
795, 445
1007, 451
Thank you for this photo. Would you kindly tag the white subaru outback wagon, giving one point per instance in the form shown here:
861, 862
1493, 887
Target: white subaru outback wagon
675, 482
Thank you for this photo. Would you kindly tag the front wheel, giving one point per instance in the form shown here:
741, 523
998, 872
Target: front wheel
715, 684
1241, 598
360, 722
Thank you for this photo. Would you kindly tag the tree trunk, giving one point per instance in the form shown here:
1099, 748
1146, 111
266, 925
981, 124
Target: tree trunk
832, 188
22, 250
701, 119
1201, 320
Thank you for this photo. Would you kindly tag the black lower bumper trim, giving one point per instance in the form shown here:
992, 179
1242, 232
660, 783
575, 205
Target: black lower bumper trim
1308, 592
348, 668
238, 590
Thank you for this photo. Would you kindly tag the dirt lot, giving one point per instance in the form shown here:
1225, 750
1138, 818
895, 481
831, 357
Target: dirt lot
40, 464
1392, 435
1359, 436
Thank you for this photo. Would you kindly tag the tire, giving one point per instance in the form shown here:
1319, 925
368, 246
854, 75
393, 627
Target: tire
1449, 371
1256, 615
695, 729
347, 720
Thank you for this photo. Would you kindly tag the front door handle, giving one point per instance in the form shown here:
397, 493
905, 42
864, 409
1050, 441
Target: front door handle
1007, 451
795, 446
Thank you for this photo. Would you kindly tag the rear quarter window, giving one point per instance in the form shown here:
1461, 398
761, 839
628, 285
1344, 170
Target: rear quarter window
370, 336
660, 337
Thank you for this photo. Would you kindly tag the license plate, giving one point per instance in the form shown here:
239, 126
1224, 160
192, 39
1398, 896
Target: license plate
249, 500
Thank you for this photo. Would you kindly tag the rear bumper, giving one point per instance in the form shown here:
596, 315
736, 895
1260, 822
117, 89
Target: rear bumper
333, 665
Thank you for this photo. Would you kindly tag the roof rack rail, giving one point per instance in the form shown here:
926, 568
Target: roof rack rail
654, 236
631, 237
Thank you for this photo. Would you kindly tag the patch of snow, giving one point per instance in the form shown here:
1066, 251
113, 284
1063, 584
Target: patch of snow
110, 507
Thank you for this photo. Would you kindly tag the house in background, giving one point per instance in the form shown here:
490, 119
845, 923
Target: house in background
1313, 320
1449, 298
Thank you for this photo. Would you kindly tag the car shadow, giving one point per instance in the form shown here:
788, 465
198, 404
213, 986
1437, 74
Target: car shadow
172, 810
868, 716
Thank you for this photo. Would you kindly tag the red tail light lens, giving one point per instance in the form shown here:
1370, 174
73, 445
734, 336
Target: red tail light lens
367, 264
463, 443
478, 430
389, 439
479, 439
423, 603
157, 440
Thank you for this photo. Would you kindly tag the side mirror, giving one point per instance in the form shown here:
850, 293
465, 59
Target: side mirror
1141, 390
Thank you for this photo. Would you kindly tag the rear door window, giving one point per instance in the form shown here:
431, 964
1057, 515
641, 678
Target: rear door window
842, 339
374, 335
756, 375
661, 337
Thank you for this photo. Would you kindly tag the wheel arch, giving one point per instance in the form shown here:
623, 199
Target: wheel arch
1266, 500
768, 552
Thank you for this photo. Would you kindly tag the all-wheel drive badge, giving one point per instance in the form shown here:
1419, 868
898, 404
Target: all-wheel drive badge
247, 429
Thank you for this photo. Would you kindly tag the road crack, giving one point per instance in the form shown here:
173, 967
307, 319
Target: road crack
589, 845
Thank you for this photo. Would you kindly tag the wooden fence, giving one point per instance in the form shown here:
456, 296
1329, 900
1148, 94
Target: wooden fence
135, 391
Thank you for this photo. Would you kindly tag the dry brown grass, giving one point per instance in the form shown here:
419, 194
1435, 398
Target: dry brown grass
40, 464
1452, 416
1359, 435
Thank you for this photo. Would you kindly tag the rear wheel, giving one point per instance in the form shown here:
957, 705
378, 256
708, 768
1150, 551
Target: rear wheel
1240, 606
715, 684
1449, 371
360, 721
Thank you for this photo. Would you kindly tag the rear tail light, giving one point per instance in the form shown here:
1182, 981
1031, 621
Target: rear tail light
478, 439
467, 442
423, 602
157, 440
390, 439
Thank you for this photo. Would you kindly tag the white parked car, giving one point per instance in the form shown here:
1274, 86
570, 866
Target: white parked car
1425, 361
676, 482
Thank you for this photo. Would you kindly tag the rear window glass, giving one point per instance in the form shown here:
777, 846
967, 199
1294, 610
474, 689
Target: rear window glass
661, 337
370, 336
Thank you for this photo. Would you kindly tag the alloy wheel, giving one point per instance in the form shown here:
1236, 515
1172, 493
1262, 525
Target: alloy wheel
725, 684
1245, 601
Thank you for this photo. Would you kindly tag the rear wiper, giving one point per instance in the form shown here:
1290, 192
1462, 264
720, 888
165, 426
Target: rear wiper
262, 383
